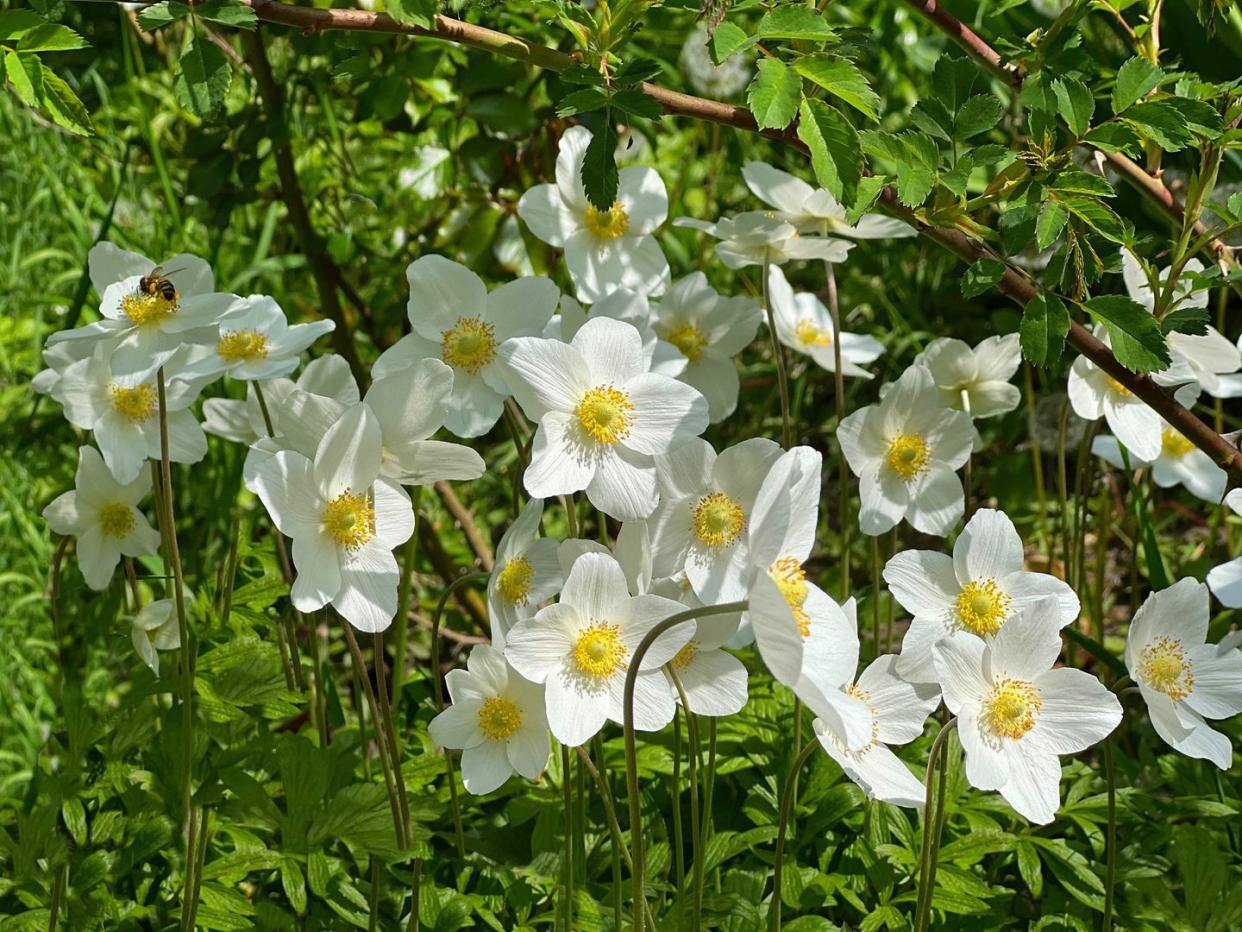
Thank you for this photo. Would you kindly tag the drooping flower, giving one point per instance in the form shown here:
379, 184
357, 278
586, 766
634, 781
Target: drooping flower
975, 380
456, 320
659, 354
805, 326
758, 237
602, 417
582, 646
103, 515
977, 590
1225, 580
154, 629
344, 520
496, 719
814, 210
906, 451
604, 249
526, 573
1093, 394
708, 330
1016, 714
255, 342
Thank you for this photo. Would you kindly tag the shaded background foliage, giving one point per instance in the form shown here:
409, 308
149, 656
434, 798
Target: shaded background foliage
409, 146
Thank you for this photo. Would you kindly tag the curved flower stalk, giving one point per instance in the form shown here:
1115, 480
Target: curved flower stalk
623, 304
103, 515
708, 330
455, 319
527, 572
814, 210
155, 628
496, 719
604, 249
1184, 680
805, 326
906, 451
1017, 714
255, 342
760, 237
976, 591
975, 380
602, 417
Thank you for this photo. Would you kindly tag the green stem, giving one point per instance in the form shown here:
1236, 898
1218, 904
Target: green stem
1110, 875
679, 855
567, 801
932, 822
404, 595
778, 353
786, 814
696, 853
390, 735
843, 467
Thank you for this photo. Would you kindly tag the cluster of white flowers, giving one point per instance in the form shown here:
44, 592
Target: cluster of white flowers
619, 392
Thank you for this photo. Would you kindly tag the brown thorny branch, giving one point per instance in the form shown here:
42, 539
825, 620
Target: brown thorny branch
1013, 283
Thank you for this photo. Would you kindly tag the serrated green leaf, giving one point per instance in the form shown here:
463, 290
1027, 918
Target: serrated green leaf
728, 39
774, 93
1113, 137
74, 814
64, 106
916, 174
1098, 216
50, 37
930, 116
1137, 341
836, 154
1077, 106
1134, 79
977, 115
1045, 324
1076, 182
637, 104
1052, 219
953, 79
841, 79
583, 100
228, 13
636, 71
1186, 319
412, 12
1161, 122
981, 276
795, 21
25, 73
204, 78
14, 23
599, 166
161, 14
869, 189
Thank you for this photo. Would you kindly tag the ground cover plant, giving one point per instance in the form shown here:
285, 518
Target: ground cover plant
620, 465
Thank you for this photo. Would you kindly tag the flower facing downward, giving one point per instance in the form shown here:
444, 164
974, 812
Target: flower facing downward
1184, 680
155, 628
526, 573
814, 210
804, 325
497, 720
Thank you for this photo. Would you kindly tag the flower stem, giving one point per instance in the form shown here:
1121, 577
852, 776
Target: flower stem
404, 595
567, 802
390, 734
679, 857
932, 823
782, 380
786, 815
696, 852
1110, 870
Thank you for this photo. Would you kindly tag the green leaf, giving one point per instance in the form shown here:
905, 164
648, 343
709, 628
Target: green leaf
836, 154
1045, 324
1186, 319
1077, 106
1030, 868
981, 276
1076, 182
74, 814
294, 885
1098, 216
773, 95
583, 100
161, 14
1134, 79
25, 73
599, 166
1052, 218
1201, 118
869, 188
204, 78
63, 105
1161, 122
581, 74
50, 37
795, 21
916, 175
15, 23
228, 13
412, 12
637, 104
931, 117
636, 71
841, 79
978, 115
728, 39
1137, 341
953, 80
1113, 137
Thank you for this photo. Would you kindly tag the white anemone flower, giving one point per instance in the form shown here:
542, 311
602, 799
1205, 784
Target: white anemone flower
582, 647
805, 326
602, 417
899, 710
242, 421
526, 573
256, 342
144, 328
975, 380
1225, 580
57, 358
496, 719
977, 590
1180, 463
708, 330
906, 451
760, 237
123, 414
1204, 357
456, 320
344, 521
659, 355
103, 515
155, 628
604, 249
1093, 394
1016, 714
713, 680
701, 525
814, 210
1183, 679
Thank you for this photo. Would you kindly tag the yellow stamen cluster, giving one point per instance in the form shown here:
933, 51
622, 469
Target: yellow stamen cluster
790, 578
810, 335
1173, 444
1011, 709
684, 657
982, 606
607, 224
599, 651
605, 414
242, 346
143, 308
1164, 666
499, 718
690, 340
470, 344
908, 455
1117, 388
718, 520
116, 519
349, 519
514, 580
137, 403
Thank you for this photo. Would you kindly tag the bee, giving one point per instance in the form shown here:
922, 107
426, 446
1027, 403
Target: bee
156, 283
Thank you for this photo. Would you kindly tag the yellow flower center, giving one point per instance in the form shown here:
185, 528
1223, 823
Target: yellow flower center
690, 340
145, 309
1163, 665
137, 403
1117, 388
470, 344
982, 606
1173, 444
1010, 710
515, 579
790, 578
599, 651
349, 519
499, 718
718, 520
116, 519
908, 455
605, 414
607, 224
242, 346
810, 335
684, 657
